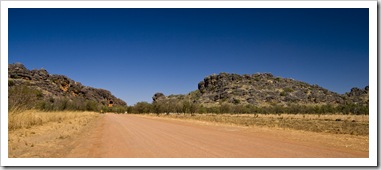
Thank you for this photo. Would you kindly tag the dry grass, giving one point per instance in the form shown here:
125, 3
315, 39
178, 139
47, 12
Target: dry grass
336, 124
29, 118
45, 134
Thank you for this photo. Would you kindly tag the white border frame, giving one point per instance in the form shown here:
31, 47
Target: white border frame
371, 161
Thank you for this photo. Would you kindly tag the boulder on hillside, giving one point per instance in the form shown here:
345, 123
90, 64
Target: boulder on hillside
158, 96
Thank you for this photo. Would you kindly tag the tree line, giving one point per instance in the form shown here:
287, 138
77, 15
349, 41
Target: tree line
24, 98
188, 107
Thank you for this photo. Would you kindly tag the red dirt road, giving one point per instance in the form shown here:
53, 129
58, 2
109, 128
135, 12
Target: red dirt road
130, 136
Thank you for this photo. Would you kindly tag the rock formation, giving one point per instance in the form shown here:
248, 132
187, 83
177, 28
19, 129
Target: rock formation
58, 86
263, 89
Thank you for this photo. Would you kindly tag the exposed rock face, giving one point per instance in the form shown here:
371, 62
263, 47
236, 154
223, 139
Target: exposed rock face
357, 96
358, 92
264, 89
261, 89
158, 96
57, 86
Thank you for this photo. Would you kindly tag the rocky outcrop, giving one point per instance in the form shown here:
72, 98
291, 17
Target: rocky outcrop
57, 86
158, 96
263, 89
357, 96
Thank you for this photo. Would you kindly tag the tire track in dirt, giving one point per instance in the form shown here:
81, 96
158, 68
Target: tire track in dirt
131, 136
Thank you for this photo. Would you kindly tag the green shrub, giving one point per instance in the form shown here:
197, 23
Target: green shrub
11, 83
236, 101
92, 106
288, 90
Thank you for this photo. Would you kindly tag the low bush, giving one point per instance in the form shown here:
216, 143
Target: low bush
190, 107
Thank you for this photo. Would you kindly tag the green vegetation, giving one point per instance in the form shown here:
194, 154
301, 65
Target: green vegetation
23, 98
288, 90
165, 106
174, 106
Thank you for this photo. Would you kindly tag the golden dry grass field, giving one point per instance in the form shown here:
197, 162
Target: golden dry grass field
34, 133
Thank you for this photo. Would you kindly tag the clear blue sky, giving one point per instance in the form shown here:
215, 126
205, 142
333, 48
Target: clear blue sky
135, 53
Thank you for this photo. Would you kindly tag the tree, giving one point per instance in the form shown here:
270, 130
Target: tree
193, 108
157, 107
186, 106
142, 107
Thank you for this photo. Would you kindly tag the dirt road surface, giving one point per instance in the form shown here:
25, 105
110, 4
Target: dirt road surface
131, 136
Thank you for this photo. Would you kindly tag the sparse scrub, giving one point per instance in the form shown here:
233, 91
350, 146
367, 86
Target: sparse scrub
34, 133
22, 98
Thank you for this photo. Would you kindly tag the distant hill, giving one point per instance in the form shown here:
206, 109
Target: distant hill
264, 89
52, 88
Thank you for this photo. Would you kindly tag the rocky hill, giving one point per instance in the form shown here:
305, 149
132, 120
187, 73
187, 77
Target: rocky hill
357, 96
264, 89
54, 86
